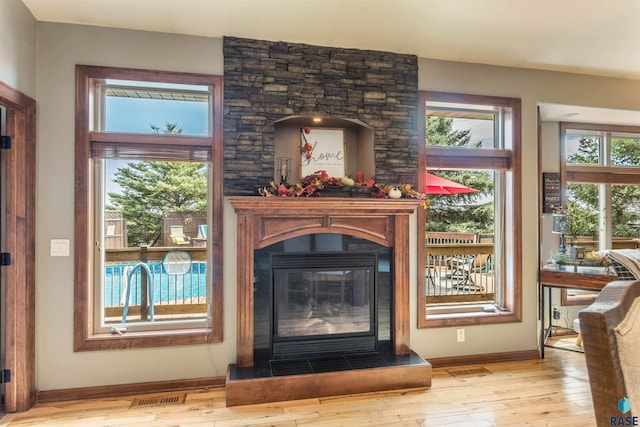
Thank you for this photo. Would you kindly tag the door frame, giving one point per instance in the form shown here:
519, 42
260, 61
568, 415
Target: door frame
20, 202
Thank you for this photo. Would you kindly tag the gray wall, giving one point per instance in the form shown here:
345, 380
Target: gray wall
18, 29
60, 47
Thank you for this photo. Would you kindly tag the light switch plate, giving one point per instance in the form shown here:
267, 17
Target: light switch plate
59, 247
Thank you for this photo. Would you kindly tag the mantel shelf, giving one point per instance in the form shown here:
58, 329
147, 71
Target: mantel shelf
249, 205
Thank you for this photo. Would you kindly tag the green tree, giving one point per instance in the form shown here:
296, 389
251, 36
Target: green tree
459, 212
151, 188
582, 210
440, 131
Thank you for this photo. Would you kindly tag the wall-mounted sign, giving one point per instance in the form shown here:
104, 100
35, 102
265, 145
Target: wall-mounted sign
322, 149
550, 192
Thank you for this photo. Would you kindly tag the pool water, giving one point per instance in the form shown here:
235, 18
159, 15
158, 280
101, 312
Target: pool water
168, 288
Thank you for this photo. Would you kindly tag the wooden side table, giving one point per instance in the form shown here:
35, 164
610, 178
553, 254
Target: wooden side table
564, 280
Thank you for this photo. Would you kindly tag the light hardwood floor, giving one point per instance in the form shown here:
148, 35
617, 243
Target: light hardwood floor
549, 392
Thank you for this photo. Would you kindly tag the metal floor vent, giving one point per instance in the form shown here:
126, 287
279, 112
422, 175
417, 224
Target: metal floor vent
466, 372
167, 399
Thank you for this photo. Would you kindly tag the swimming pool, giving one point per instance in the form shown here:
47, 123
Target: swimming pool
167, 288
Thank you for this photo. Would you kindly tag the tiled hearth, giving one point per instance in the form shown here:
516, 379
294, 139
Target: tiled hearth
272, 381
265, 221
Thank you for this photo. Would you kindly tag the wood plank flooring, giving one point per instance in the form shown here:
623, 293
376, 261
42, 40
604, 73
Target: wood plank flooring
549, 392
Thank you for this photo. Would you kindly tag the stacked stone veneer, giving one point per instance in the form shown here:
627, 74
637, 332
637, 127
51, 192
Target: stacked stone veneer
267, 81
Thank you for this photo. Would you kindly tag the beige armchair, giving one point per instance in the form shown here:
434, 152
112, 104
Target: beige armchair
611, 333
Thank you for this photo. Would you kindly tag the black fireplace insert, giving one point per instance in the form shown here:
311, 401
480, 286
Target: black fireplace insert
323, 303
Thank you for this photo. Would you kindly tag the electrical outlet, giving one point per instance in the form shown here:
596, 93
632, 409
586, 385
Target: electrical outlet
460, 335
556, 313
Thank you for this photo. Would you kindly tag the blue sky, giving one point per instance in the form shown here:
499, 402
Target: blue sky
136, 115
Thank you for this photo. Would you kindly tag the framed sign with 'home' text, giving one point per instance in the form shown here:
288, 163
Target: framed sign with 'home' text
324, 151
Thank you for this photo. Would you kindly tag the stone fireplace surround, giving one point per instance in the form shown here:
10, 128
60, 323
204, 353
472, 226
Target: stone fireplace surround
263, 221
266, 82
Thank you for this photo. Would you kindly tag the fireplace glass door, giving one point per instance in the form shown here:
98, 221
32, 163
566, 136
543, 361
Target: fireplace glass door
323, 303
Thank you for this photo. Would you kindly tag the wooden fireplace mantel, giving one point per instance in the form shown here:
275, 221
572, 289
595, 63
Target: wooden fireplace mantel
263, 221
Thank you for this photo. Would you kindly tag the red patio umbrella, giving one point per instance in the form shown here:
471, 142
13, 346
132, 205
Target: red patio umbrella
438, 185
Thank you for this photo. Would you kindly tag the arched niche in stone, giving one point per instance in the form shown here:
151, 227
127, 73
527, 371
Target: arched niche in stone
359, 144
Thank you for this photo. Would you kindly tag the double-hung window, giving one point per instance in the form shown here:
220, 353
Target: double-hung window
470, 168
148, 220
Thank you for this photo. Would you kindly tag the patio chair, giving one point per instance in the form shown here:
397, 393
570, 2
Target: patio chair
177, 236
202, 231
465, 268
200, 240
430, 270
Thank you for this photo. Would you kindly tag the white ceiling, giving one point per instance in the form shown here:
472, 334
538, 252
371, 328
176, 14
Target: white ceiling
597, 37
581, 114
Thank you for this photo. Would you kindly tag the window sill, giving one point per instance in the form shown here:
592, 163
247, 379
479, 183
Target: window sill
114, 341
465, 315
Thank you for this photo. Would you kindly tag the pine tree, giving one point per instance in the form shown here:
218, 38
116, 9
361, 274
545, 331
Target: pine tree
151, 188
459, 212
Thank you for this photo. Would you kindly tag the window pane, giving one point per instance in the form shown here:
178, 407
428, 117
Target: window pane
472, 267
583, 149
460, 238
582, 213
106, 231
154, 231
625, 151
461, 128
583, 207
143, 107
625, 211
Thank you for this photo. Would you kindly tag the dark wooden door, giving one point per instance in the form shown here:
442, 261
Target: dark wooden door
3, 131
17, 225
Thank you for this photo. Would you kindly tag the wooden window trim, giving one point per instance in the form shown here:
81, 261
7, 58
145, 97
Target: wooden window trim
602, 177
595, 174
503, 160
84, 337
442, 157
